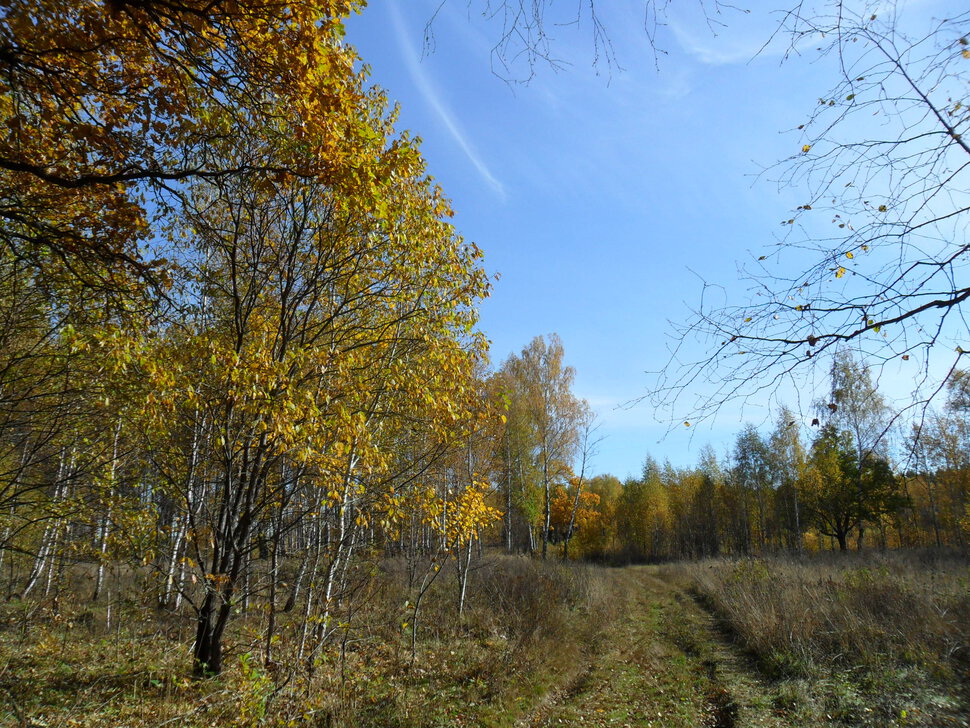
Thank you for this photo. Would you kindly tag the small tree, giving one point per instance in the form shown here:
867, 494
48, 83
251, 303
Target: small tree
547, 418
788, 458
839, 492
751, 474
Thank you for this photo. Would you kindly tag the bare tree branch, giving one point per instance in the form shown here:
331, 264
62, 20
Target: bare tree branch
877, 255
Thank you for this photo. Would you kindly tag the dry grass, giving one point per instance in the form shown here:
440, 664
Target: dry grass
868, 639
526, 632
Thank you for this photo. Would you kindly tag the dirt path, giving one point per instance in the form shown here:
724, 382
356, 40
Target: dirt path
661, 664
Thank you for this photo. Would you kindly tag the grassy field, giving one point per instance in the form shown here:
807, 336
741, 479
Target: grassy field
872, 640
857, 639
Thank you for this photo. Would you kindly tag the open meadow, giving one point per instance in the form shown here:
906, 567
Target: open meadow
876, 639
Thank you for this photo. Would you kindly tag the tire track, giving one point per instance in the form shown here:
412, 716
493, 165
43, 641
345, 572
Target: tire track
662, 664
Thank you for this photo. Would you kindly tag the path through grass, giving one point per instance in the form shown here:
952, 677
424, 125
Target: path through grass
661, 664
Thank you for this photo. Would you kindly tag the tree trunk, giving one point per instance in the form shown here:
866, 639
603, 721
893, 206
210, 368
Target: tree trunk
462, 569
546, 511
166, 600
297, 585
274, 572
508, 508
318, 539
106, 523
207, 652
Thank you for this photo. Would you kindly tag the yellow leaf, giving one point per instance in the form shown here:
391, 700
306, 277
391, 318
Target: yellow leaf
966, 53
807, 148
840, 272
882, 208
849, 255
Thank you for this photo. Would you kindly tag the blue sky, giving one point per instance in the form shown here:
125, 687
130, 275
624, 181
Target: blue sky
604, 197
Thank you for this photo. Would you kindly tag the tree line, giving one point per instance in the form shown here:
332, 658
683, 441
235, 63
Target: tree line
844, 486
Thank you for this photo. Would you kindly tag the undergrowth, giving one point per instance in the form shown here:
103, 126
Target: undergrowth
526, 630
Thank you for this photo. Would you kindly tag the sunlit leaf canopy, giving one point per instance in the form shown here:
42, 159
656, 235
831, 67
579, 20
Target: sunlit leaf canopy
220, 235
111, 107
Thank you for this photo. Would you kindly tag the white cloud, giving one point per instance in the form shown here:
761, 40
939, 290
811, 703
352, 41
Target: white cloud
676, 84
425, 85
719, 49
729, 36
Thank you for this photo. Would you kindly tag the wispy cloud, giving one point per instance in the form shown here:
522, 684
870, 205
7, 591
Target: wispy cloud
432, 96
734, 37
676, 84
716, 50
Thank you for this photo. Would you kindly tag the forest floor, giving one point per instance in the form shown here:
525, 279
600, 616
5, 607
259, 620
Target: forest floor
662, 663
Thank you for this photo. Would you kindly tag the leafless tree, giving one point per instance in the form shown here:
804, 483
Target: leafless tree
877, 254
